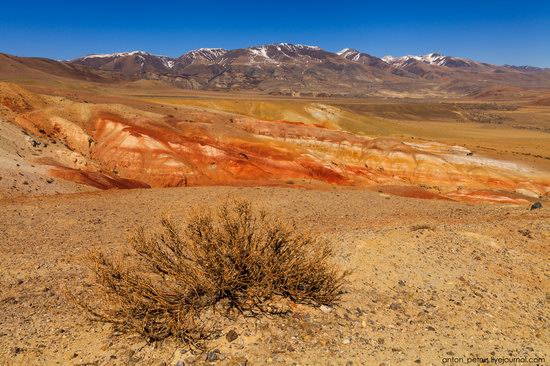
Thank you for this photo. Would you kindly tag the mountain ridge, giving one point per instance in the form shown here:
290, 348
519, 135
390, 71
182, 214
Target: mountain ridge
389, 59
301, 70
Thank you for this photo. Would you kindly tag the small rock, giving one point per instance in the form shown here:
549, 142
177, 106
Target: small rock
325, 309
536, 206
180, 363
395, 306
49, 180
349, 363
430, 328
401, 283
346, 341
213, 356
231, 335
417, 361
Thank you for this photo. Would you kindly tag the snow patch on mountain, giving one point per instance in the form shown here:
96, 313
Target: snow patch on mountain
168, 63
346, 51
209, 54
118, 54
271, 53
350, 54
295, 47
261, 53
431, 59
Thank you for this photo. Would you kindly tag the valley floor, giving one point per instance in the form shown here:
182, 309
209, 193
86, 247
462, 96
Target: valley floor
432, 280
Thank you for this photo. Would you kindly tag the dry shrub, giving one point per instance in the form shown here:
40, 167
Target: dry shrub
235, 258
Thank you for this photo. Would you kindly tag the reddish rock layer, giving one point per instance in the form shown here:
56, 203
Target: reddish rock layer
108, 146
249, 151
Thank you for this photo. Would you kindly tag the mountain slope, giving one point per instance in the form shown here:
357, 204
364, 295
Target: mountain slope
277, 68
129, 63
434, 59
366, 59
435, 66
293, 69
16, 68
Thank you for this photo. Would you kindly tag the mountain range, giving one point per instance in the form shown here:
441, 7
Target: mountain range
294, 69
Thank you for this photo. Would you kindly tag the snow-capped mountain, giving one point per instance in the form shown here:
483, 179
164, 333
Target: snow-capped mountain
280, 63
435, 66
277, 54
118, 54
430, 59
281, 51
284, 67
133, 62
265, 54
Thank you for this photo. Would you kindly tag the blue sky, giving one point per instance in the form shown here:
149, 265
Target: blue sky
501, 32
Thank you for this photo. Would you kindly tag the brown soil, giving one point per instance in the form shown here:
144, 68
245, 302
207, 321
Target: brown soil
431, 279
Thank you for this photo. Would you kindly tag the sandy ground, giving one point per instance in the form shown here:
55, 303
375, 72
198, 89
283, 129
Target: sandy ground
432, 280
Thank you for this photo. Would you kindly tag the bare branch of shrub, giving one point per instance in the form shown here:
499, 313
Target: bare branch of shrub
170, 280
